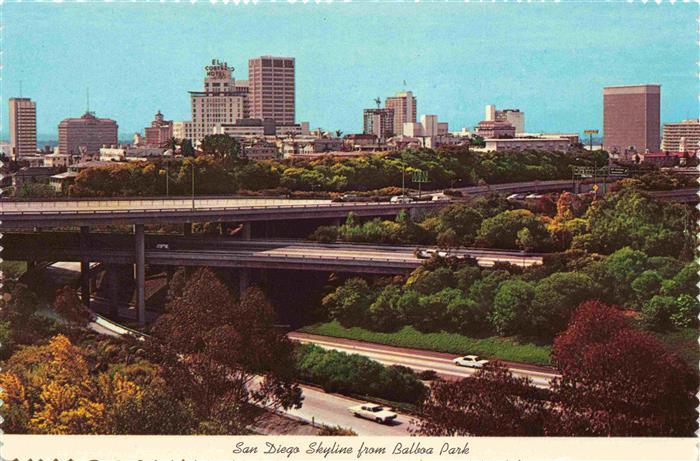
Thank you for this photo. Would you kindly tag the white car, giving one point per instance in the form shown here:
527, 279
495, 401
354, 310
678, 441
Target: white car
374, 412
162, 246
440, 198
472, 361
429, 253
401, 199
513, 197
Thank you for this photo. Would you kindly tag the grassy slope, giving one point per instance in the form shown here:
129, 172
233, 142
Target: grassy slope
492, 347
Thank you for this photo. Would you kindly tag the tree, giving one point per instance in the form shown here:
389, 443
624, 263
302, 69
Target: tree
171, 144
631, 218
502, 231
68, 304
221, 146
224, 356
186, 148
491, 403
462, 221
349, 303
511, 307
384, 312
556, 297
618, 381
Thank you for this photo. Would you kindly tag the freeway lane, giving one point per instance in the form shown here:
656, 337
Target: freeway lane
230, 252
332, 410
419, 360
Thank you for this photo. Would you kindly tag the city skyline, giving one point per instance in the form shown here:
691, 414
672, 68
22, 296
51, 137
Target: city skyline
478, 55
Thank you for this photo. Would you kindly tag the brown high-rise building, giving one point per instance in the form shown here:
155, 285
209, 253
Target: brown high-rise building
88, 132
631, 118
159, 132
404, 107
271, 89
22, 127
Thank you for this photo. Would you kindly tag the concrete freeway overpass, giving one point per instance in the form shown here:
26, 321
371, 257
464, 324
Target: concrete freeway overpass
224, 252
228, 252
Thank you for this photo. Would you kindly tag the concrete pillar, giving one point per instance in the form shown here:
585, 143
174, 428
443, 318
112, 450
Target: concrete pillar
31, 265
243, 281
84, 266
187, 229
245, 232
113, 289
140, 274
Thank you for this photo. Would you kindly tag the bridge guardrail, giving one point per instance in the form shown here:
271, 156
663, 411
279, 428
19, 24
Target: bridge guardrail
364, 205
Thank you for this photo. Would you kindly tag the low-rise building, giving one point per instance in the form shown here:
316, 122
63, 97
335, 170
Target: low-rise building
33, 175
520, 144
61, 182
58, 160
494, 129
261, 150
129, 153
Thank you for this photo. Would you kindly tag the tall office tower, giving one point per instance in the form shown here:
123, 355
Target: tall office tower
631, 118
87, 132
514, 117
404, 105
22, 127
490, 113
687, 131
159, 132
379, 122
271, 81
220, 102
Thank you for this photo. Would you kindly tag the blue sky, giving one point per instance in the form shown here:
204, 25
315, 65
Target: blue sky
549, 60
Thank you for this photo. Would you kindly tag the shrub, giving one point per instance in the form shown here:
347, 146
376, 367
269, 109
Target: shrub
354, 374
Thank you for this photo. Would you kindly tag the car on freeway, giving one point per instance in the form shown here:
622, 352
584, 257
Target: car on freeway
513, 197
374, 412
429, 253
162, 246
401, 199
347, 198
471, 361
440, 198
534, 196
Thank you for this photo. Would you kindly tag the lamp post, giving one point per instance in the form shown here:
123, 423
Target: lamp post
192, 186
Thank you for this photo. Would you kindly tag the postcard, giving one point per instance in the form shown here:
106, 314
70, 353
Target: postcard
259, 230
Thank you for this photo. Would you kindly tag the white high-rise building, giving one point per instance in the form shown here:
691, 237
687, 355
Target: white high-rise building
222, 101
490, 113
22, 127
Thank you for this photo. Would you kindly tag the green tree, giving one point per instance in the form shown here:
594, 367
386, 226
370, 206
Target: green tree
511, 307
503, 230
384, 312
221, 146
556, 297
349, 304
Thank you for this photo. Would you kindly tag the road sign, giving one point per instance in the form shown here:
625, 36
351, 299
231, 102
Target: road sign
420, 176
595, 187
590, 131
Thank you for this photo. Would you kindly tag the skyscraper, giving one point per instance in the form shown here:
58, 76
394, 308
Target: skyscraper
379, 122
631, 118
222, 101
272, 89
87, 132
404, 106
22, 127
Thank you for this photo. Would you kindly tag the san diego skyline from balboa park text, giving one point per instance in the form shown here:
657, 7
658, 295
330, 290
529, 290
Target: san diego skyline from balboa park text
456, 58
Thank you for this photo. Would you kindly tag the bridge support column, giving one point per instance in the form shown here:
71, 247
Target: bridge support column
140, 274
31, 265
246, 231
187, 229
243, 281
113, 289
84, 267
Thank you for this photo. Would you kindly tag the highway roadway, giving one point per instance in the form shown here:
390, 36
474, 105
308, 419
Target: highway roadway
232, 252
419, 360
